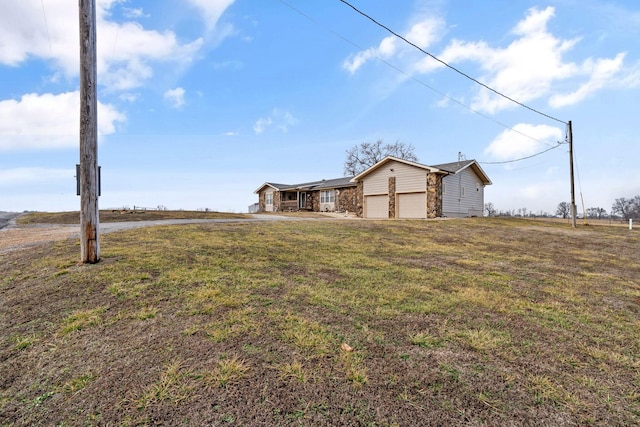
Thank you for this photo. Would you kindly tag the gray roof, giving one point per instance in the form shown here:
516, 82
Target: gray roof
313, 185
278, 186
326, 183
454, 167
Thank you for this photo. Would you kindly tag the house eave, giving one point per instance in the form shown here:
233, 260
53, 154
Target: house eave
388, 159
266, 184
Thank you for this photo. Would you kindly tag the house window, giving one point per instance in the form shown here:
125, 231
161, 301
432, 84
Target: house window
444, 188
327, 196
268, 198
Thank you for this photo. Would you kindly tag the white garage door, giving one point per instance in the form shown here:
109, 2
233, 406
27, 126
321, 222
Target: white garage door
376, 206
412, 205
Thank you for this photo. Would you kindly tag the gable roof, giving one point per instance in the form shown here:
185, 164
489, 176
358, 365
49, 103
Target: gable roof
388, 159
311, 186
455, 167
444, 168
272, 185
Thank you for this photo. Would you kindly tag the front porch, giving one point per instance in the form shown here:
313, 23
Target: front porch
293, 201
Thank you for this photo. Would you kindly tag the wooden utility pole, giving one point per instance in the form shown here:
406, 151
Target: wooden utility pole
573, 191
89, 220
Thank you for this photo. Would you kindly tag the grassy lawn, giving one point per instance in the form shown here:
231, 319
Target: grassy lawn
333, 322
121, 215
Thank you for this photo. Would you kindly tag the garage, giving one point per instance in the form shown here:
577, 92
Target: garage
412, 205
376, 206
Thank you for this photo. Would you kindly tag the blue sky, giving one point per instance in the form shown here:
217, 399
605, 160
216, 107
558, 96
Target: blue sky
202, 101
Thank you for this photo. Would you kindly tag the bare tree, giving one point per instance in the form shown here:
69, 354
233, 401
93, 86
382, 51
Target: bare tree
627, 208
596, 213
564, 210
623, 207
366, 154
490, 209
635, 203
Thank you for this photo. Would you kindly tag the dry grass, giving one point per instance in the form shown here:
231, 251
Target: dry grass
122, 216
461, 322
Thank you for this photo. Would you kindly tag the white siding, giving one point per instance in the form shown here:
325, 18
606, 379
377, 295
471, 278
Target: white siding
463, 195
409, 179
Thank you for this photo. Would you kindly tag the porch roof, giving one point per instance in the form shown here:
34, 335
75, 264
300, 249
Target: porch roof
325, 184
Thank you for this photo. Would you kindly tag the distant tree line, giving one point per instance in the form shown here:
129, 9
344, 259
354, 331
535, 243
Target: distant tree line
622, 208
627, 208
491, 210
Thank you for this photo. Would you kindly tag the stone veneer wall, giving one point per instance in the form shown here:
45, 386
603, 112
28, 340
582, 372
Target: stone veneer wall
392, 197
277, 205
313, 200
434, 195
347, 200
360, 200
261, 201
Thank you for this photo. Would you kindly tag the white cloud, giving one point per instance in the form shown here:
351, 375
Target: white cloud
530, 67
175, 96
212, 10
49, 121
129, 97
525, 69
423, 33
126, 54
513, 144
133, 13
601, 73
278, 119
262, 124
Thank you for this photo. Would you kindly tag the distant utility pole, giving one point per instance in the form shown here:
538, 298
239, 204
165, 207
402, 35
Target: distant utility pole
89, 220
573, 191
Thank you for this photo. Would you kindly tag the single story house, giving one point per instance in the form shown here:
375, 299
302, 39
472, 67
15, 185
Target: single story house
329, 195
392, 188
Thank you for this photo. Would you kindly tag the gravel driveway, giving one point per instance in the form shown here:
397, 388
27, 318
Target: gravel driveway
13, 237
6, 217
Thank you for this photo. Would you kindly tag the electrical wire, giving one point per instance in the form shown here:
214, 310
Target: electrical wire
415, 79
524, 158
450, 66
46, 26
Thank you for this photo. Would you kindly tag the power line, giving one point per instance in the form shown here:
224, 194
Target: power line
524, 158
415, 79
46, 25
450, 66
